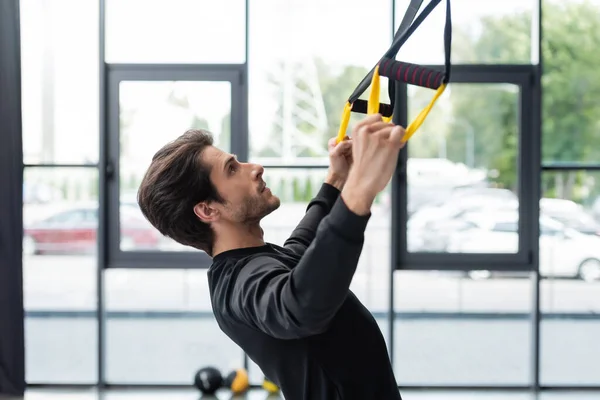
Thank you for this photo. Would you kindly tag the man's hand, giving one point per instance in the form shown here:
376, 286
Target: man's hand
376, 146
340, 161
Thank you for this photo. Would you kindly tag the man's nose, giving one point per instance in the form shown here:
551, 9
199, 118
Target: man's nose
257, 171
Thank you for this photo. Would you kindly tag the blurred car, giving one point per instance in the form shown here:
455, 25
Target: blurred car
74, 231
564, 252
430, 227
571, 214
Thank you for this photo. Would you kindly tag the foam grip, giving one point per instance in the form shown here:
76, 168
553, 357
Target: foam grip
412, 74
270, 386
237, 381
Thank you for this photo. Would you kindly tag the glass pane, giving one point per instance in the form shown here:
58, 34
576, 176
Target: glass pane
151, 115
160, 328
454, 330
305, 65
463, 171
371, 282
570, 106
570, 264
60, 87
60, 274
483, 32
176, 31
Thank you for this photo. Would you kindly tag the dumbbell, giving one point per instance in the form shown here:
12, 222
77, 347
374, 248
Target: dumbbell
209, 379
269, 386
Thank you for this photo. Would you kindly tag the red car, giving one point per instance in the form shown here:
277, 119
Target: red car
74, 231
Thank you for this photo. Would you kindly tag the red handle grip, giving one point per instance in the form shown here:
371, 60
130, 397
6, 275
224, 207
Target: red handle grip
412, 74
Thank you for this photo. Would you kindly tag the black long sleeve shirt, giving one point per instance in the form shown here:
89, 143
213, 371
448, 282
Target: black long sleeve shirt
291, 310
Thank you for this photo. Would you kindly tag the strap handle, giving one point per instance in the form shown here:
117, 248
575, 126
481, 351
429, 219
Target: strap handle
412, 74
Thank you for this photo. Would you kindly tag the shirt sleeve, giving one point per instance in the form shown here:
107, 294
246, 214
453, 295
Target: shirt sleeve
293, 303
317, 209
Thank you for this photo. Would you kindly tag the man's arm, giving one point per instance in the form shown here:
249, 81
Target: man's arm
296, 303
317, 209
300, 302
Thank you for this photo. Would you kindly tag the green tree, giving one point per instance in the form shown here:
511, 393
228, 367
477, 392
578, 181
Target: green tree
336, 88
299, 104
570, 86
484, 121
571, 81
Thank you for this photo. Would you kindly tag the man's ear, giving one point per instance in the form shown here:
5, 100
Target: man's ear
206, 212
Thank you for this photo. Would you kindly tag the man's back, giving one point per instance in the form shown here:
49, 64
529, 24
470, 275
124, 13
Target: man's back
346, 360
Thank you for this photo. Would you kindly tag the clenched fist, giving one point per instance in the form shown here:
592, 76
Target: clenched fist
375, 148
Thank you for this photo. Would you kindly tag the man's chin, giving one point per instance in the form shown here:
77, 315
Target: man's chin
271, 205
274, 204
276, 201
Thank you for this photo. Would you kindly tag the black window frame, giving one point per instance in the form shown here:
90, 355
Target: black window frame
235, 74
525, 78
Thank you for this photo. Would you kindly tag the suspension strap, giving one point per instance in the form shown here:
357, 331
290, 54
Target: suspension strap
404, 72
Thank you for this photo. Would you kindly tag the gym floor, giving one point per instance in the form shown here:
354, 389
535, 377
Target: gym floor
161, 394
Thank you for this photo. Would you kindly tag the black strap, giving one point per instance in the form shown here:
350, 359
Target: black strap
448, 42
406, 29
409, 16
360, 106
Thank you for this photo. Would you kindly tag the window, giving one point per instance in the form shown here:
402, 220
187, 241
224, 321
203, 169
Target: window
482, 33
60, 81
304, 64
60, 274
160, 328
459, 330
148, 107
570, 268
176, 31
571, 36
463, 169
151, 114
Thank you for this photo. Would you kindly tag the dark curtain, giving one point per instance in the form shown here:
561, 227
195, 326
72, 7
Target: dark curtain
12, 348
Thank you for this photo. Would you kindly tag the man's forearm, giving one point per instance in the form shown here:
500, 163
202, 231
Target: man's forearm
317, 209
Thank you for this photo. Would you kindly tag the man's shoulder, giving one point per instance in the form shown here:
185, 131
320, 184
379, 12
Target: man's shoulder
227, 269
229, 277
269, 252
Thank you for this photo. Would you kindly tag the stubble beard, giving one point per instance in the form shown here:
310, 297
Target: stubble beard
256, 208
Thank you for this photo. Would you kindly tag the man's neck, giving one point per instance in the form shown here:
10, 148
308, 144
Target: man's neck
237, 237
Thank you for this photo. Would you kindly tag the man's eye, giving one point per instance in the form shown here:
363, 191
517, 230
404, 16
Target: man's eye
231, 168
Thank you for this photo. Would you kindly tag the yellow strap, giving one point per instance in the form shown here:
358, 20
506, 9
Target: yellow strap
373, 104
373, 108
418, 121
344, 122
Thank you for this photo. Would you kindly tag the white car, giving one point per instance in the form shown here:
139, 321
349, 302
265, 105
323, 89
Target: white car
564, 252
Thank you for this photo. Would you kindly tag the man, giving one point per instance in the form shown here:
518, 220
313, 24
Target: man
288, 307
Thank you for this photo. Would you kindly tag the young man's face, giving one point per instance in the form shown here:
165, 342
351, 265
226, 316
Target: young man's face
247, 198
